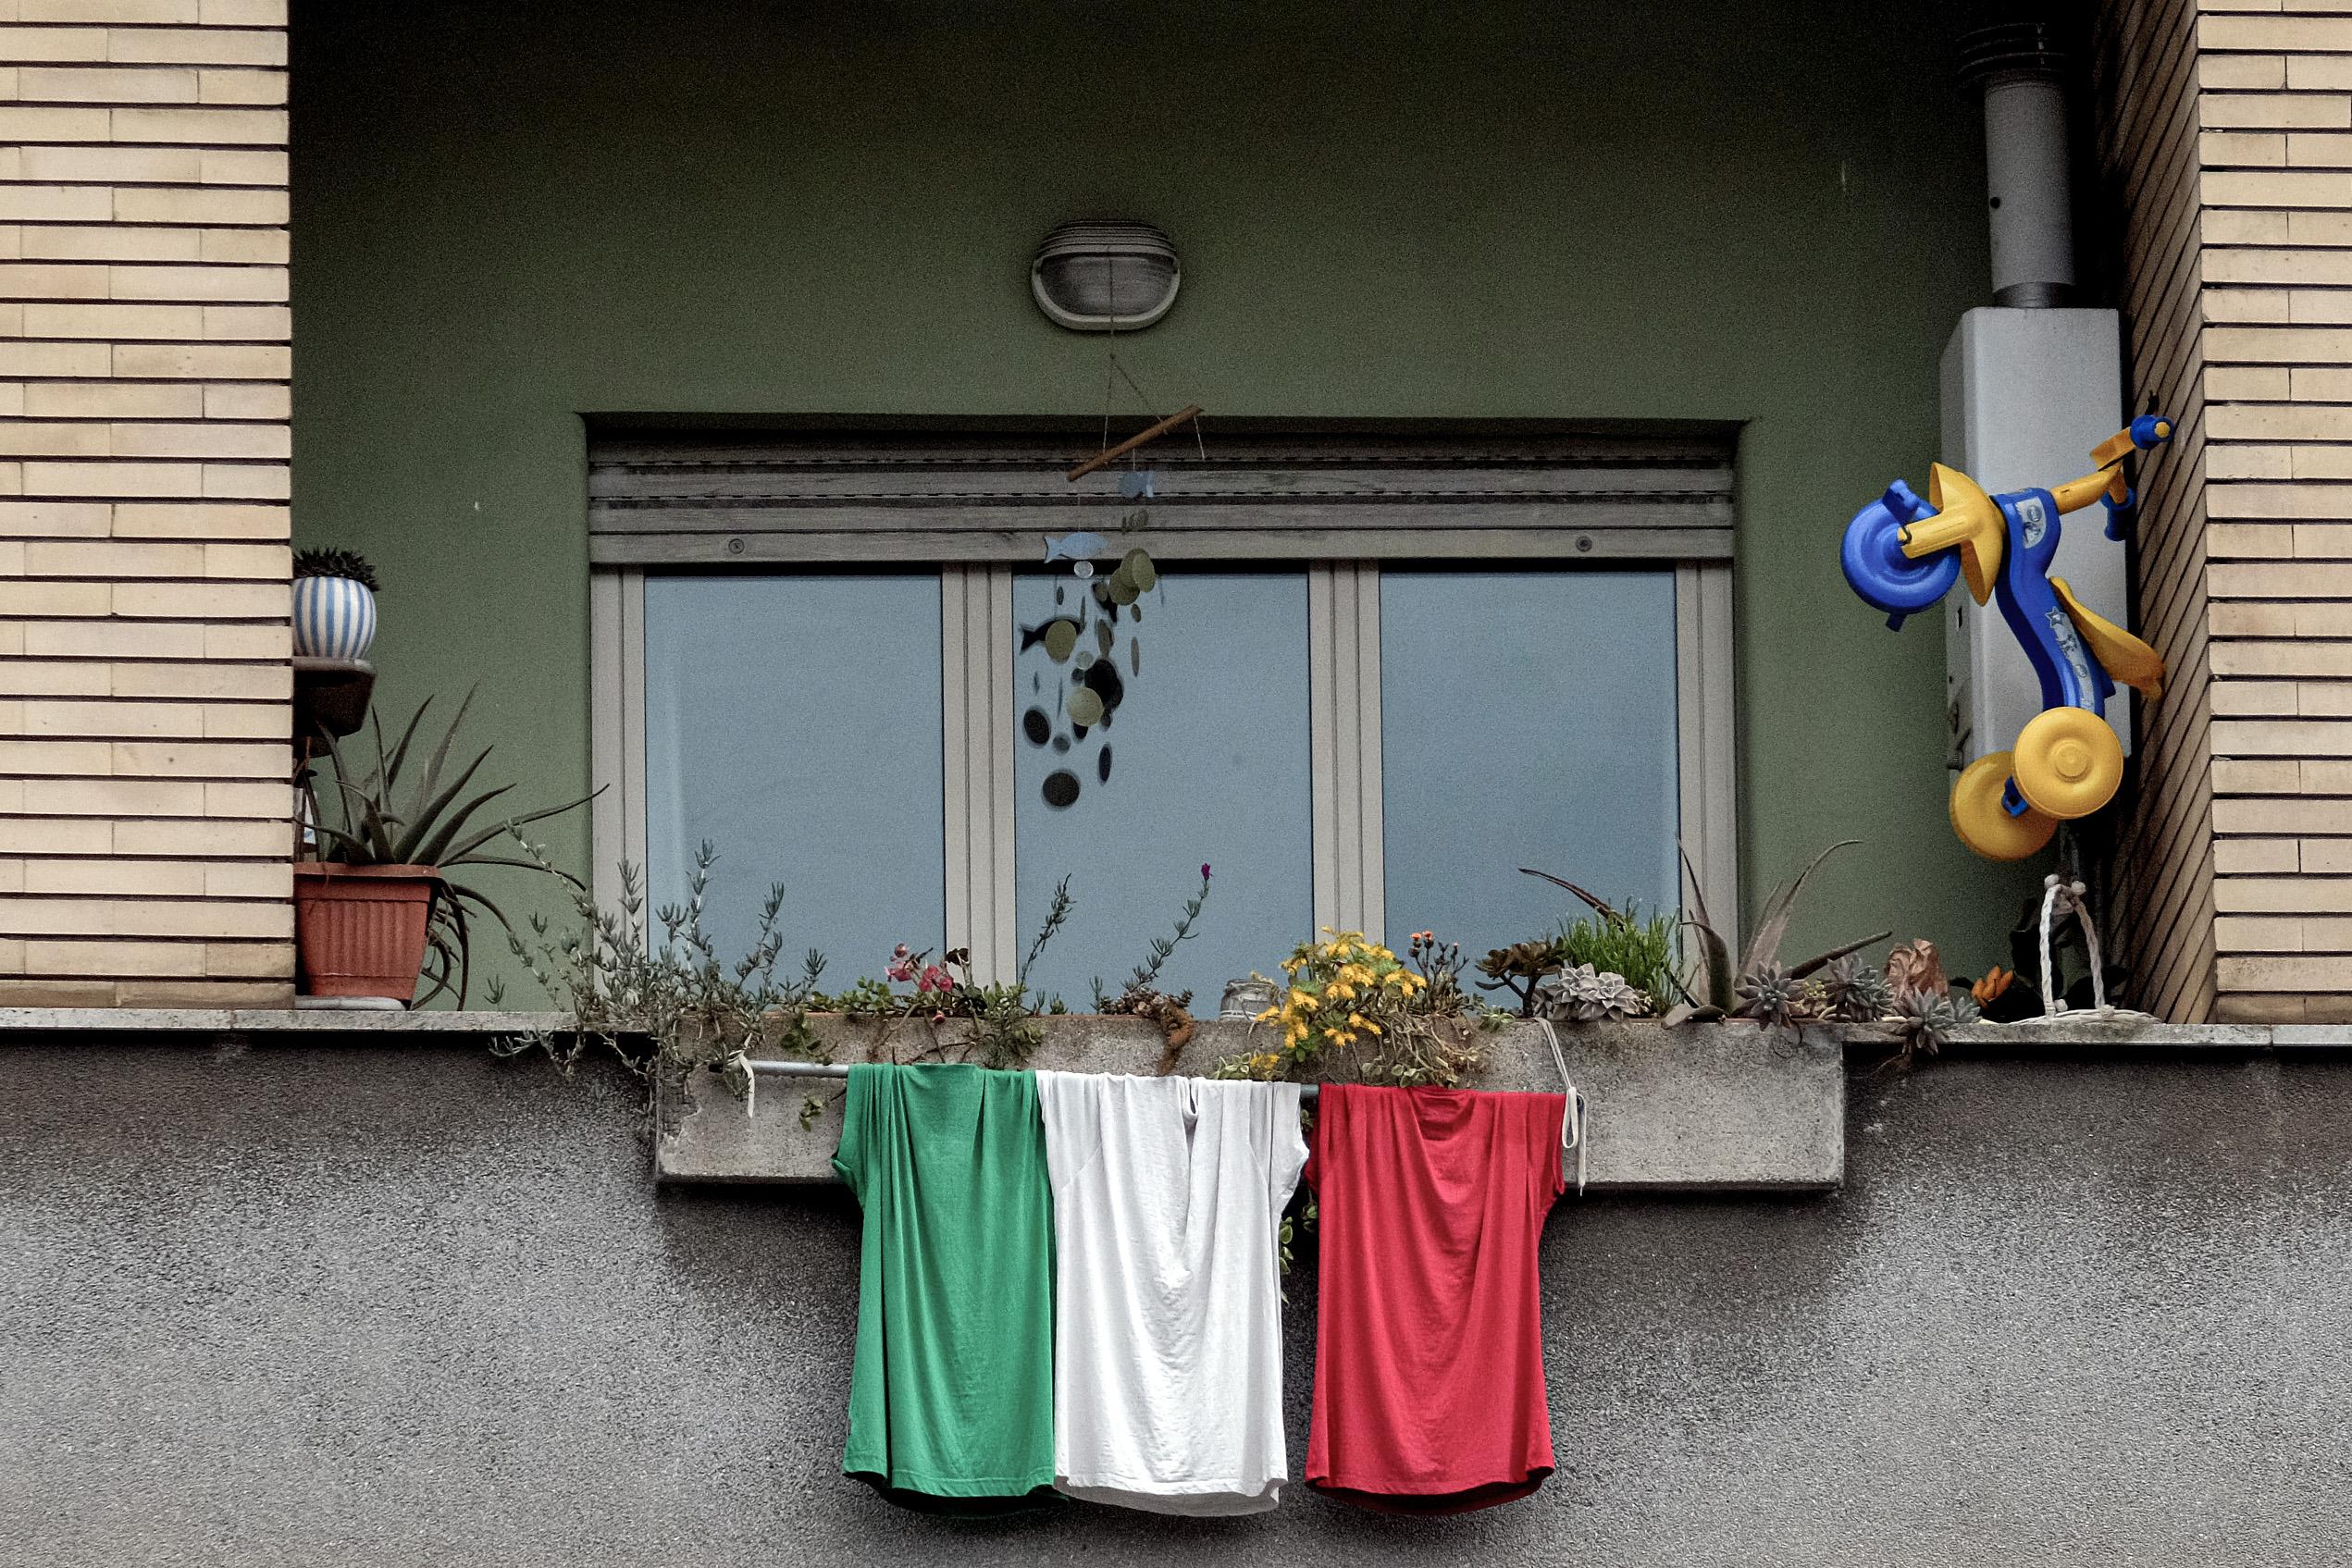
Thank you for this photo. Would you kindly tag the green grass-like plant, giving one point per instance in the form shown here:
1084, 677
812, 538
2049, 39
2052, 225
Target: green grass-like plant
1646, 950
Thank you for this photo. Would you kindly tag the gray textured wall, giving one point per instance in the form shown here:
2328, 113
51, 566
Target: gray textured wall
403, 1305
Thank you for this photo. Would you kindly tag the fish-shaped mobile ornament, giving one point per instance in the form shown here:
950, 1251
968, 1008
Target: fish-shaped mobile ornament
1079, 550
1902, 554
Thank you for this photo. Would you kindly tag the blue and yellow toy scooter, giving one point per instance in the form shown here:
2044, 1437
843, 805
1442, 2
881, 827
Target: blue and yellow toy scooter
1902, 554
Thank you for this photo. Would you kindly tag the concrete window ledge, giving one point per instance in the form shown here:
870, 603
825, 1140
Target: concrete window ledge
22, 1022
2074, 1033
2078, 1031
1700, 1108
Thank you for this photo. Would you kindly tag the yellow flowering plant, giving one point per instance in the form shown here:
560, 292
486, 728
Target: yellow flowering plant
1349, 994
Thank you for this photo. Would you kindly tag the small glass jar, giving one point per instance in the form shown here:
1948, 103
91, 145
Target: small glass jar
1246, 998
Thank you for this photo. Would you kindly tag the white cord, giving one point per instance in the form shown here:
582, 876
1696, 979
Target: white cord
2054, 892
1572, 1114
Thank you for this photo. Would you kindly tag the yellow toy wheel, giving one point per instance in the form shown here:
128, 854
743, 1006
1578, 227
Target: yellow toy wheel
2068, 763
1981, 823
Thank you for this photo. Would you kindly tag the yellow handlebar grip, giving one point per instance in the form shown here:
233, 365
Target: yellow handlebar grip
1966, 517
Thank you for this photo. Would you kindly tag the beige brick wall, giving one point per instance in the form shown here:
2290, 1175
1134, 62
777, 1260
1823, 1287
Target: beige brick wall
2230, 131
2275, 186
144, 646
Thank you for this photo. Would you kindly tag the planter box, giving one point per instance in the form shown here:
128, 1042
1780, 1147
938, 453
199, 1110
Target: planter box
1705, 1107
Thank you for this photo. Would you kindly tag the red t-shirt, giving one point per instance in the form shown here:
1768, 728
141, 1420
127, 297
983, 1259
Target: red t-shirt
1428, 1344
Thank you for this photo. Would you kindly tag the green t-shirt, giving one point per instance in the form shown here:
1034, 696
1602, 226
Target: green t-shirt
951, 1400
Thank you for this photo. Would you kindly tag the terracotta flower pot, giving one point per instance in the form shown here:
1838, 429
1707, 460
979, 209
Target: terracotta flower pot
359, 931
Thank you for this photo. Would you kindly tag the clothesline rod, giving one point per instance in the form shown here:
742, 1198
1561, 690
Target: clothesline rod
841, 1070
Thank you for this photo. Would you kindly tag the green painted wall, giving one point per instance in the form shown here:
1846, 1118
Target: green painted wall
509, 216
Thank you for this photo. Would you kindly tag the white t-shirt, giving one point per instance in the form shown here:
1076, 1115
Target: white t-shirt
1168, 1335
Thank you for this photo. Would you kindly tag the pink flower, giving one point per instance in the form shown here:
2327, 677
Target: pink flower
901, 972
935, 979
1204, 871
939, 1017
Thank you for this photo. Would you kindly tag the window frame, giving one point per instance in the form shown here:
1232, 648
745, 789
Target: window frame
1427, 506
1344, 756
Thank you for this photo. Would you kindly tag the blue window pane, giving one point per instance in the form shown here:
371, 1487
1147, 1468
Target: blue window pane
793, 721
1526, 718
1207, 748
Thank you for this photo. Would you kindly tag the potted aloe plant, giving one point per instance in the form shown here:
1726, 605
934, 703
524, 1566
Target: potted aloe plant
334, 604
377, 910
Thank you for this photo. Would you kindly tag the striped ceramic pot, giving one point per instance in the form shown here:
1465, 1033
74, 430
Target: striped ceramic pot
334, 618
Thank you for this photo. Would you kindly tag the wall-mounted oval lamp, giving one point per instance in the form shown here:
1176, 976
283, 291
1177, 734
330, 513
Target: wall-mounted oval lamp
1105, 277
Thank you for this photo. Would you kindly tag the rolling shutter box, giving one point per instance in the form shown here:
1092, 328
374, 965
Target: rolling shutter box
688, 498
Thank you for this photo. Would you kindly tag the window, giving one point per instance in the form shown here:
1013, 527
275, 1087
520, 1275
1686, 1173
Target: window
1208, 763
1528, 719
1376, 677
787, 756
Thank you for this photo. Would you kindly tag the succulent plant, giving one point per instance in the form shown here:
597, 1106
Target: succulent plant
1929, 1017
1584, 996
1551, 999
1722, 981
336, 563
1769, 993
1854, 992
1915, 968
1520, 969
1994, 986
1618, 997
1523, 958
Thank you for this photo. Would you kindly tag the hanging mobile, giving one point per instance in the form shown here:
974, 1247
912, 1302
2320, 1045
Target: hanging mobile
1110, 455
1095, 690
